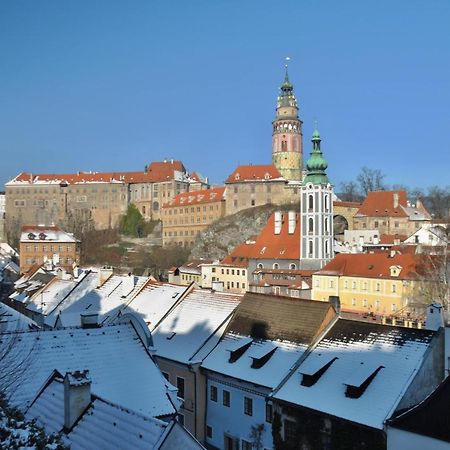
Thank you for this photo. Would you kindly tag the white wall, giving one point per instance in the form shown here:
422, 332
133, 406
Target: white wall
232, 420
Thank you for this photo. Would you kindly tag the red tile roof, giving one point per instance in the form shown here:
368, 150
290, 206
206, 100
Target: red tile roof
269, 245
156, 172
391, 238
252, 173
381, 204
347, 204
197, 197
373, 265
26, 228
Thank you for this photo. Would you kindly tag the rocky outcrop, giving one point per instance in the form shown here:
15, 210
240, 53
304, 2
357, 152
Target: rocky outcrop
222, 236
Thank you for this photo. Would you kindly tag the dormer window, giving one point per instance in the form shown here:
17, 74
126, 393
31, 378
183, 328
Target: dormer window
237, 176
314, 367
238, 348
262, 354
267, 176
42, 236
361, 379
31, 236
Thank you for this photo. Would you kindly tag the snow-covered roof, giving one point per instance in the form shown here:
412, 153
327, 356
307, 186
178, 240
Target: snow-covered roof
280, 356
359, 371
120, 368
105, 425
105, 300
154, 301
12, 320
184, 331
42, 233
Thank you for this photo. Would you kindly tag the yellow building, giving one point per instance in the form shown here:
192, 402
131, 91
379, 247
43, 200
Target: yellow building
189, 213
370, 283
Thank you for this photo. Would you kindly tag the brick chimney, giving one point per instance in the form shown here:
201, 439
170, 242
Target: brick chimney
395, 200
77, 396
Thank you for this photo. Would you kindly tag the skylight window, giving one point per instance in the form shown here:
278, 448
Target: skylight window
361, 379
171, 335
314, 367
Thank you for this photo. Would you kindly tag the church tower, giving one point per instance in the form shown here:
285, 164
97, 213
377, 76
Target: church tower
287, 146
316, 212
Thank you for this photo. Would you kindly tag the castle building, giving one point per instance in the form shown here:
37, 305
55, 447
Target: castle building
316, 241
287, 144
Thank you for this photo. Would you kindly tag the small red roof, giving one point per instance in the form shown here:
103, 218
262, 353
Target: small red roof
347, 204
197, 197
26, 228
391, 238
384, 204
269, 245
251, 173
373, 265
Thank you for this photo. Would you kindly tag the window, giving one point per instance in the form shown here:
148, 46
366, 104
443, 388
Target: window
364, 303
353, 284
393, 307
394, 288
213, 393
276, 266
209, 431
248, 406
331, 284
226, 398
310, 225
346, 284
246, 445
180, 386
269, 412
253, 202
377, 287
353, 301
310, 202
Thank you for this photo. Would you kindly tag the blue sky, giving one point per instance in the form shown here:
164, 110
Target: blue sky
113, 85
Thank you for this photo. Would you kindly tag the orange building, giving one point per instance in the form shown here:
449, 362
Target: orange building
189, 213
51, 245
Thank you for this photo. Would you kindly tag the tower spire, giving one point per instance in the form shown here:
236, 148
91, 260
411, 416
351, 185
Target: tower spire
287, 148
316, 164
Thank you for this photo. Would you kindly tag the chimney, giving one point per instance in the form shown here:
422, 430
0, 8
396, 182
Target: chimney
291, 222
217, 286
128, 284
277, 222
77, 396
76, 272
103, 274
336, 302
395, 199
435, 319
89, 320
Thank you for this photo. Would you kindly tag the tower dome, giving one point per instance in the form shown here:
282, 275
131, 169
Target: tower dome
316, 164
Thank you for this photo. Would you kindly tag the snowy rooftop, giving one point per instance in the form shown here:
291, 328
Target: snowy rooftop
104, 424
154, 301
120, 367
12, 320
358, 371
105, 300
264, 363
184, 331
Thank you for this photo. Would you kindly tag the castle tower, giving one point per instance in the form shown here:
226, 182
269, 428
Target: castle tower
316, 212
287, 146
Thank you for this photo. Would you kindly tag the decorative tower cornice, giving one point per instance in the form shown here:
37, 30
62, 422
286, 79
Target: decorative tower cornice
287, 148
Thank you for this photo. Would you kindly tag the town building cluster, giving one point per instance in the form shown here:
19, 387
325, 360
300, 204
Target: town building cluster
327, 329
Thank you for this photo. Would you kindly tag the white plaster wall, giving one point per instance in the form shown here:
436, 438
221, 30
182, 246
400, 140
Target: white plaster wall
232, 420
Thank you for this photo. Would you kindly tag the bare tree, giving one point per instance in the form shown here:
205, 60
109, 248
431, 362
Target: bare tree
370, 180
350, 192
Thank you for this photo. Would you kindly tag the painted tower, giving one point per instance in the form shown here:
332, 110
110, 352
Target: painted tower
287, 144
316, 212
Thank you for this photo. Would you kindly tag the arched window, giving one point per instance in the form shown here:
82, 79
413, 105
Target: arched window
310, 245
276, 266
327, 203
293, 266
310, 202
327, 248
327, 228
155, 206
260, 266
310, 225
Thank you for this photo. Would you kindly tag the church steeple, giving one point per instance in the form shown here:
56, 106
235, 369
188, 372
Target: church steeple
316, 164
287, 147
